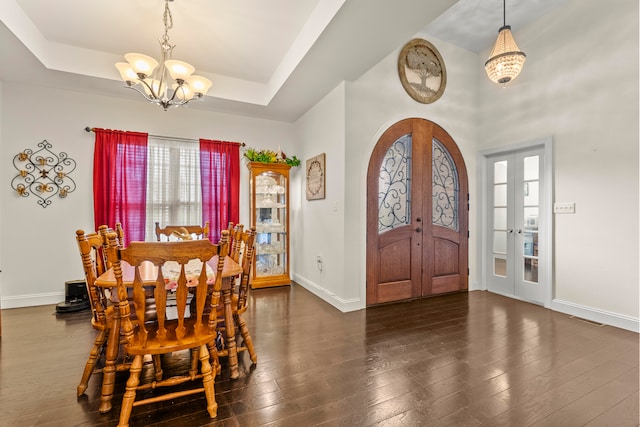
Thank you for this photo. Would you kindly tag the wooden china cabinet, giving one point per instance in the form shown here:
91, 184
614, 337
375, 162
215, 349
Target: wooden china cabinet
269, 205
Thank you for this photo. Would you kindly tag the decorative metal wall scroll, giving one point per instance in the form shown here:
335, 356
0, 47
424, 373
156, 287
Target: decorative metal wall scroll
43, 174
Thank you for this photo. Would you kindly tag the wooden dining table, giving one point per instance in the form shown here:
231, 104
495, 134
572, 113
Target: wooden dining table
148, 273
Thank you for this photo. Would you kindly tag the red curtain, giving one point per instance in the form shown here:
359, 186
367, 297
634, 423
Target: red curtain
120, 181
220, 181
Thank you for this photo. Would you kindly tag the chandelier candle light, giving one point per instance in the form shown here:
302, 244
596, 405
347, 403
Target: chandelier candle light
172, 84
506, 60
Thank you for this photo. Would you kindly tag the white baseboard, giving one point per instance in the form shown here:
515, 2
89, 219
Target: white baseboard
597, 315
329, 297
32, 300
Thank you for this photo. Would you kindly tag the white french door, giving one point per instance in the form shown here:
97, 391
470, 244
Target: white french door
515, 226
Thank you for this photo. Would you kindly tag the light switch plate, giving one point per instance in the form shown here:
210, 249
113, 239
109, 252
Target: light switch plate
564, 208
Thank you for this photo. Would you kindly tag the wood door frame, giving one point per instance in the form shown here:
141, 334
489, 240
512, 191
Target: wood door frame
546, 215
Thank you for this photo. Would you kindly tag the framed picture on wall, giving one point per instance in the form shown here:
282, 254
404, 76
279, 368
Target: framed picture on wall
316, 177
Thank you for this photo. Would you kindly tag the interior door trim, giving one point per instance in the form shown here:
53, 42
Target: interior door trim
546, 143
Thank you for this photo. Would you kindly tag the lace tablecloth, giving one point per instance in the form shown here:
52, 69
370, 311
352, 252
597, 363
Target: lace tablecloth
171, 273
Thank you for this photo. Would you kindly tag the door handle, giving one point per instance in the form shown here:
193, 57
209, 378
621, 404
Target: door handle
519, 231
510, 231
418, 229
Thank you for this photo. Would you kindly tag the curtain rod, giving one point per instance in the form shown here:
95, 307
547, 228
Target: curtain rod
242, 144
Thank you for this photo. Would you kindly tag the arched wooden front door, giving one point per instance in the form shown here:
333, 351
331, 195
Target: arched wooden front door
417, 214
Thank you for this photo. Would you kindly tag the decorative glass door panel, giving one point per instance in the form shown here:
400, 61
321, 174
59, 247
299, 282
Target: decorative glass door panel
394, 186
445, 188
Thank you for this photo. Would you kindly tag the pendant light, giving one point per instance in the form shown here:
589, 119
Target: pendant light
506, 60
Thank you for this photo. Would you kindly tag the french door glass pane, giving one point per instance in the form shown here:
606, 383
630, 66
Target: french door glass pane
530, 243
500, 218
531, 193
499, 265
500, 242
500, 195
531, 270
531, 218
500, 172
531, 168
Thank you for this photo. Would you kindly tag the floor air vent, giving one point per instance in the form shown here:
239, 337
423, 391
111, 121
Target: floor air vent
591, 322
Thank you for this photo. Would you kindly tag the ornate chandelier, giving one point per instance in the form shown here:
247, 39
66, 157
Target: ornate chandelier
172, 84
506, 60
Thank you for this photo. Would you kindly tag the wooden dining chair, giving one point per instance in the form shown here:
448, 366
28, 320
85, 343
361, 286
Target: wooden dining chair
92, 248
93, 262
182, 232
240, 296
184, 330
245, 242
235, 240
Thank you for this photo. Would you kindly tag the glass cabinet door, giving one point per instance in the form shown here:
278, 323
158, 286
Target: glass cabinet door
270, 215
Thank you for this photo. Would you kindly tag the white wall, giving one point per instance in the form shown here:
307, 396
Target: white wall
318, 228
580, 85
1, 204
38, 247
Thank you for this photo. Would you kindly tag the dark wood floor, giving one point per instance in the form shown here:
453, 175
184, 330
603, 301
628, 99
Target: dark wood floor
456, 360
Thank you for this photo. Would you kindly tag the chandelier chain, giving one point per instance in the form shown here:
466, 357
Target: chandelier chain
168, 21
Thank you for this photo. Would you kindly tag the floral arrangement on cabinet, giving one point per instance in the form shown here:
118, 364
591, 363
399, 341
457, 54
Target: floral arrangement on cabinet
270, 156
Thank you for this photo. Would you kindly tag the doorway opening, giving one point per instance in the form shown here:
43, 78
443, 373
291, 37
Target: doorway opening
515, 253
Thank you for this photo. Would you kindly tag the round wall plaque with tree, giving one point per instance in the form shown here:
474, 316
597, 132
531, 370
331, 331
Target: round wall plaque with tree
422, 71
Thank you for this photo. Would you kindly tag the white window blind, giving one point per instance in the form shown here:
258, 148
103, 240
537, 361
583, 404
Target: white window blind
173, 184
